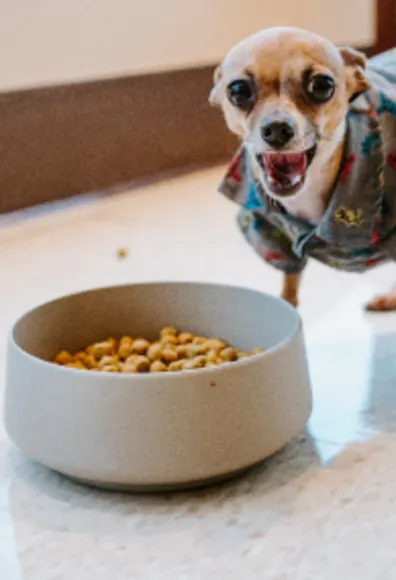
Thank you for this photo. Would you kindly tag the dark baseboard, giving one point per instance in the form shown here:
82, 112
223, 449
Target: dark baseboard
369, 51
61, 141
385, 24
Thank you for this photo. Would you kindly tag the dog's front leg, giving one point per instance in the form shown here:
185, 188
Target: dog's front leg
290, 290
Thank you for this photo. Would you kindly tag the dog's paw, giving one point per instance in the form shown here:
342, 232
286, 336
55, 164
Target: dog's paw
384, 303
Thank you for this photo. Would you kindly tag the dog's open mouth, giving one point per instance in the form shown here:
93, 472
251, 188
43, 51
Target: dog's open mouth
285, 172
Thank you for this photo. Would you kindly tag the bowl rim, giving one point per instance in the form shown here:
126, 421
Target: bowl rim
100, 376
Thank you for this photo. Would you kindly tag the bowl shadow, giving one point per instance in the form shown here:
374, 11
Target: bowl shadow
55, 502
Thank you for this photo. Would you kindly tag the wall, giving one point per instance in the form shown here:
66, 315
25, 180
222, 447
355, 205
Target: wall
58, 41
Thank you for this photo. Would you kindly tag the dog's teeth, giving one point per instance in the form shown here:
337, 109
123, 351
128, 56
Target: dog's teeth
271, 180
296, 179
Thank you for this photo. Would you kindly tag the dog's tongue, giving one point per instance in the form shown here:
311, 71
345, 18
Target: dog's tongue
285, 170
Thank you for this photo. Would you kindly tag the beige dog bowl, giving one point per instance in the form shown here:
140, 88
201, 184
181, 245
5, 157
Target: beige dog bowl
157, 430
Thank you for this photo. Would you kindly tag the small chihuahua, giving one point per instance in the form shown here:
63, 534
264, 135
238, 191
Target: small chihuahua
316, 171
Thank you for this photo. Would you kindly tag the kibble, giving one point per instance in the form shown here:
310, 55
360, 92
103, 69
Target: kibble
108, 360
101, 349
125, 347
76, 365
122, 253
228, 354
169, 339
128, 368
170, 352
158, 367
177, 365
155, 351
140, 346
64, 358
110, 369
185, 337
168, 330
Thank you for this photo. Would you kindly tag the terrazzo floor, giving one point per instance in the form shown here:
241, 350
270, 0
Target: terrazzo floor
323, 508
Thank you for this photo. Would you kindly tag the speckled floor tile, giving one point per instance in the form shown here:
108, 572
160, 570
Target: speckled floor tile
323, 508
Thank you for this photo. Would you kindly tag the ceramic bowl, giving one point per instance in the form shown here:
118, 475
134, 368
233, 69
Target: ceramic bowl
165, 430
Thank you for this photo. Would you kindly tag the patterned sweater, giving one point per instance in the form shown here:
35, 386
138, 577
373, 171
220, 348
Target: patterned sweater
358, 229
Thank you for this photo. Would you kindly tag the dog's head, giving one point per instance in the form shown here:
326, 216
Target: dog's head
286, 93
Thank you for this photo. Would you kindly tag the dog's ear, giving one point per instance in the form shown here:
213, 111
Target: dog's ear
214, 97
355, 65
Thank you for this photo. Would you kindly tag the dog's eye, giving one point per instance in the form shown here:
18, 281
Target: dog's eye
241, 94
320, 88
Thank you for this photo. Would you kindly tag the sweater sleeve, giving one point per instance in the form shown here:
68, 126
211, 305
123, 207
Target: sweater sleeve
268, 241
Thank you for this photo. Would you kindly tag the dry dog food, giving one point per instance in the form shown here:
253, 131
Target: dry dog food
122, 253
172, 351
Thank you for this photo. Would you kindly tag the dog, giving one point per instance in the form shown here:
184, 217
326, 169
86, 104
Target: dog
315, 174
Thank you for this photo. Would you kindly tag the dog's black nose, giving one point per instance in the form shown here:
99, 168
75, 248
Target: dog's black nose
277, 133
